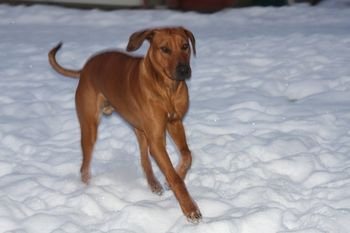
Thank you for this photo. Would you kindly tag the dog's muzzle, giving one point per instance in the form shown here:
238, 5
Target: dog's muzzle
183, 72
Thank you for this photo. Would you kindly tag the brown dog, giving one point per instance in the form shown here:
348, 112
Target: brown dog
150, 93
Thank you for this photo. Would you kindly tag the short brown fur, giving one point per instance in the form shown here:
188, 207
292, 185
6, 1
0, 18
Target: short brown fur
150, 93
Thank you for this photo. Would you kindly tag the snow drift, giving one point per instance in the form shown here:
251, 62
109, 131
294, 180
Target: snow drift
268, 123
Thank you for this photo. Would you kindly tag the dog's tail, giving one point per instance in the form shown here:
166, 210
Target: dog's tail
58, 67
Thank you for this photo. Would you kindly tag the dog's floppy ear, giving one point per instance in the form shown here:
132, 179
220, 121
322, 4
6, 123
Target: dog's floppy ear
192, 39
137, 38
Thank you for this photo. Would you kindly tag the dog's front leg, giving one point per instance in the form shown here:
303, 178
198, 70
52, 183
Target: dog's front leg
156, 140
146, 163
177, 133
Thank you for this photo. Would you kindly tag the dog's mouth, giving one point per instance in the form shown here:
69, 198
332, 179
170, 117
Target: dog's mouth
181, 73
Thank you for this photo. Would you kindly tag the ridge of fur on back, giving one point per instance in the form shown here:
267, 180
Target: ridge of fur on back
57, 67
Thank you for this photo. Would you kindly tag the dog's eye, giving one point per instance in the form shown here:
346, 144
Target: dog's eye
165, 49
185, 46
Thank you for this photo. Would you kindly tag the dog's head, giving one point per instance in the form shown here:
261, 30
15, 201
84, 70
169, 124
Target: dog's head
169, 50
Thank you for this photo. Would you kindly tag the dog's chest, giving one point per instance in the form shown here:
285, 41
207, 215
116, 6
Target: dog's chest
171, 109
172, 116
173, 101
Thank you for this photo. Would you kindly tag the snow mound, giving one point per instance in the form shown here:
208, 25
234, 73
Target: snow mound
268, 123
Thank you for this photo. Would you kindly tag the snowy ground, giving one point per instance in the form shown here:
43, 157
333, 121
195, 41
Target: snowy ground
269, 124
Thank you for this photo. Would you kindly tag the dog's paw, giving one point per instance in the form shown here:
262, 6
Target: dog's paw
156, 188
194, 217
85, 177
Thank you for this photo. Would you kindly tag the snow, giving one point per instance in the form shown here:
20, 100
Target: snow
268, 123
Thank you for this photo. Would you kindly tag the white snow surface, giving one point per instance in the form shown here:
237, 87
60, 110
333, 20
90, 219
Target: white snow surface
268, 125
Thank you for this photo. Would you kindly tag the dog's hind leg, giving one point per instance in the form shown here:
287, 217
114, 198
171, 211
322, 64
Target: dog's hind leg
146, 163
89, 106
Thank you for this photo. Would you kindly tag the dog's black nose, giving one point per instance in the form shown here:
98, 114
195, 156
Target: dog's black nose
183, 72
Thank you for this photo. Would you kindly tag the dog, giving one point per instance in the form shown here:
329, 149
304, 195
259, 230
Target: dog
150, 93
